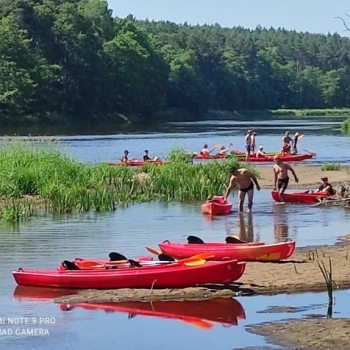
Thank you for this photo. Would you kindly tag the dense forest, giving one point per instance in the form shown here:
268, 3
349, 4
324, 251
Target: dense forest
74, 61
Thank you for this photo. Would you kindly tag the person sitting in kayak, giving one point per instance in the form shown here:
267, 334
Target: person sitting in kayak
286, 145
326, 187
294, 143
223, 151
205, 151
260, 152
125, 158
245, 181
146, 158
281, 180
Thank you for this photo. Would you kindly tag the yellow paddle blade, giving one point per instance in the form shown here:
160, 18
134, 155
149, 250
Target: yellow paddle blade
301, 136
153, 251
195, 263
236, 237
217, 145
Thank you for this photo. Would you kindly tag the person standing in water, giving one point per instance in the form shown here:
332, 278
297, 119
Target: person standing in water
294, 143
248, 143
286, 145
245, 181
281, 179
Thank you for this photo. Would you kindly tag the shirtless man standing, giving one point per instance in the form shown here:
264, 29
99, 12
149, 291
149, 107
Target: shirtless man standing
245, 181
280, 170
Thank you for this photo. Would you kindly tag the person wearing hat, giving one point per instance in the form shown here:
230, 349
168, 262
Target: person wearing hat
294, 143
245, 181
146, 157
260, 152
286, 145
326, 187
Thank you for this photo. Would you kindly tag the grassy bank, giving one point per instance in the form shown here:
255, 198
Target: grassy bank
38, 176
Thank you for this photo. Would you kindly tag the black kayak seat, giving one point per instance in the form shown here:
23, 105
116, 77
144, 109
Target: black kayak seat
68, 265
194, 240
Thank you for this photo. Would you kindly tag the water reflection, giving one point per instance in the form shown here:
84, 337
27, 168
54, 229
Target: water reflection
281, 224
201, 314
245, 228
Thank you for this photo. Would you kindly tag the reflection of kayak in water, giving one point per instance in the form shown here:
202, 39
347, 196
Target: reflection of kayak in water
198, 313
38, 293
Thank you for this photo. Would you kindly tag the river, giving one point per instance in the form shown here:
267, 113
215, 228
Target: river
45, 241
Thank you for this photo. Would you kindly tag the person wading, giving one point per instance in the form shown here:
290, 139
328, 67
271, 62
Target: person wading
281, 180
245, 181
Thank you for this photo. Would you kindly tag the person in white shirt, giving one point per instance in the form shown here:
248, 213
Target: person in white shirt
260, 152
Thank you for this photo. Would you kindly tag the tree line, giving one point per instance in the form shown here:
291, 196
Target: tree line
72, 61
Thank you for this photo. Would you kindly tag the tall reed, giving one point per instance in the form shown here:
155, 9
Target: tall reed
328, 278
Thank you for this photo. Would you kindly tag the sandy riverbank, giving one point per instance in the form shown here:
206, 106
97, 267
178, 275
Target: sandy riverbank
311, 334
300, 273
309, 176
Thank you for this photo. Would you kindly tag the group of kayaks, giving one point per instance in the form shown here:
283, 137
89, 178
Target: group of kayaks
180, 265
241, 156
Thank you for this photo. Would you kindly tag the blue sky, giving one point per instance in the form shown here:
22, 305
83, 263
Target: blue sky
316, 16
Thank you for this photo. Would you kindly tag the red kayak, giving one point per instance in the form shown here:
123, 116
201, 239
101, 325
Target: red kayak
216, 206
164, 276
285, 158
241, 252
299, 197
136, 163
214, 156
198, 313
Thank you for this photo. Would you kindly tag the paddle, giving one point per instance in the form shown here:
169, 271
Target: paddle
314, 154
217, 145
192, 258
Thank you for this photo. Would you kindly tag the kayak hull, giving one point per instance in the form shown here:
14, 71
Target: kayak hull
215, 156
270, 159
216, 206
165, 276
221, 251
299, 197
135, 163
225, 311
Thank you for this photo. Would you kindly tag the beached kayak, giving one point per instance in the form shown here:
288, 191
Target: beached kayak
216, 206
202, 314
299, 197
164, 276
136, 163
241, 252
285, 158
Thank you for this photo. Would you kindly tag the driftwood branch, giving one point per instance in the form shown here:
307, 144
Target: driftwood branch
341, 198
347, 29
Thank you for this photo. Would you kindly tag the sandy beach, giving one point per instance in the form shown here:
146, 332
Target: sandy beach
309, 176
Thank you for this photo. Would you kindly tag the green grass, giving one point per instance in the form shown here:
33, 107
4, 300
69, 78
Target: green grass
345, 127
40, 172
330, 166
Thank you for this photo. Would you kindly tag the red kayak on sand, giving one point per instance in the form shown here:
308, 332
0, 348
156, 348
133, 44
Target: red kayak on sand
216, 206
285, 158
299, 197
241, 252
136, 163
164, 276
202, 314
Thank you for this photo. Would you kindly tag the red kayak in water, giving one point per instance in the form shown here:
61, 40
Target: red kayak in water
270, 158
176, 275
216, 206
241, 252
299, 197
136, 163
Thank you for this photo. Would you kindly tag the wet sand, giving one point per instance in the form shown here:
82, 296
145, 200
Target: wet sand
309, 176
314, 334
299, 273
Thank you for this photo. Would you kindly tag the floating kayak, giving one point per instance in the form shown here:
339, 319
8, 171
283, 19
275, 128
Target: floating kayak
136, 163
225, 311
215, 156
241, 252
285, 158
216, 206
299, 197
164, 276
